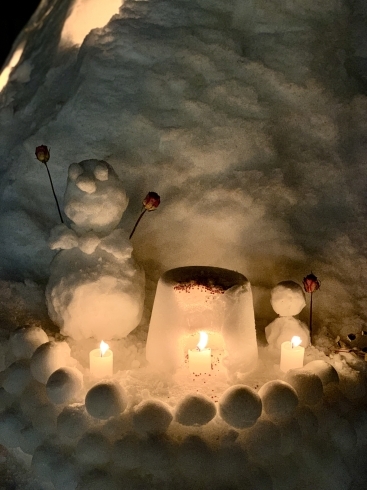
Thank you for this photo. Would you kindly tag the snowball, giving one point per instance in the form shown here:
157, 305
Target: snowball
307, 385
287, 298
126, 453
44, 418
73, 421
25, 340
89, 242
32, 398
283, 329
11, 424
62, 237
47, 358
94, 449
352, 384
240, 406
152, 417
30, 439
64, 385
105, 400
291, 435
307, 421
262, 441
358, 420
91, 202
195, 410
17, 376
324, 370
99, 480
6, 399
230, 464
51, 464
279, 399
97, 295
155, 455
194, 459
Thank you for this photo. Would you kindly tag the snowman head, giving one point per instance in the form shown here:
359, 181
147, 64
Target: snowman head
94, 197
287, 298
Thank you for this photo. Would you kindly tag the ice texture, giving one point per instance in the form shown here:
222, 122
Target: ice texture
95, 289
194, 298
240, 406
105, 399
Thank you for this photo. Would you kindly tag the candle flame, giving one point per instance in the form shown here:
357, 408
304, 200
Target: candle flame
103, 348
296, 341
203, 341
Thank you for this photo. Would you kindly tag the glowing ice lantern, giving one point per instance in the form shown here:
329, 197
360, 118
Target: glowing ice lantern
101, 361
200, 358
291, 354
195, 298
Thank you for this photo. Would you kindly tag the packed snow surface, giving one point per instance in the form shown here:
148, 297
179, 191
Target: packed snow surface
248, 118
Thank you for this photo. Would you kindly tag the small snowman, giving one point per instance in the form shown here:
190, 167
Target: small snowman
95, 289
287, 299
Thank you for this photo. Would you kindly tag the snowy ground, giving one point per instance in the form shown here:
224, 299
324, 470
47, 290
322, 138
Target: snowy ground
249, 120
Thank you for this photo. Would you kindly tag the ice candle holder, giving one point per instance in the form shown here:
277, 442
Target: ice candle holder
202, 298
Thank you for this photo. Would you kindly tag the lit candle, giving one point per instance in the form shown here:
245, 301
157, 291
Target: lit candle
101, 361
200, 358
291, 354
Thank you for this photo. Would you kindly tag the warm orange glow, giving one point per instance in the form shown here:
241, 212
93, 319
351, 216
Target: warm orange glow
87, 15
5, 74
203, 340
296, 341
103, 348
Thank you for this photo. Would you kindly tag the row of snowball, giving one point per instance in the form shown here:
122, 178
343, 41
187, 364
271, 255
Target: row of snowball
240, 406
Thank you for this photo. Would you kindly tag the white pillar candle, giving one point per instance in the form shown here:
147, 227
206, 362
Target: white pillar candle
200, 359
101, 361
291, 355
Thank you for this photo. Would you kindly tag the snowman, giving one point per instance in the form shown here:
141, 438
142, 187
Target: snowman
287, 299
95, 289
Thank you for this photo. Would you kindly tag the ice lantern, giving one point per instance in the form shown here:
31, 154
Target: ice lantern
210, 299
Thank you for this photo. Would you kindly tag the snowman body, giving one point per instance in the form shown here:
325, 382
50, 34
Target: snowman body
95, 289
287, 299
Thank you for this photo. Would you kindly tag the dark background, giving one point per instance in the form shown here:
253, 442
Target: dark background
13, 17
